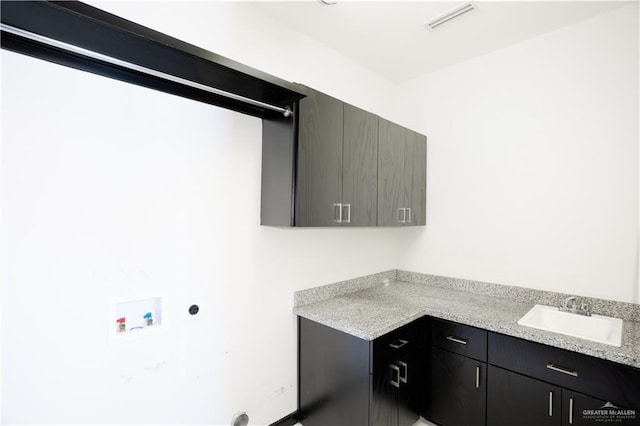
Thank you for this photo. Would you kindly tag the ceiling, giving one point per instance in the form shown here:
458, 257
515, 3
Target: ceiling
389, 38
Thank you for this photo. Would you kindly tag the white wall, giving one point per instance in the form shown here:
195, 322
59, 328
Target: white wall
112, 192
239, 31
532, 173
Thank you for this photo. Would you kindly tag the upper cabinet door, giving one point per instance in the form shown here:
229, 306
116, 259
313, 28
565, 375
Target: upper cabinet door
319, 171
416, 176
402, 168
392, 197
360, 168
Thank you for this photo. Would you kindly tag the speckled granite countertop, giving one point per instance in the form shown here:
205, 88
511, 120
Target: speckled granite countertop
377, 310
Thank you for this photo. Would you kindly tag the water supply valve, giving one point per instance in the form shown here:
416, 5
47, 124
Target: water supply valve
122, 326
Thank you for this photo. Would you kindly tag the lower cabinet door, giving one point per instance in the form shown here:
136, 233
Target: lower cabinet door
395, 391
407, 414
409, 389
577, 408
397, 377
457, 390
384, 397
514, 399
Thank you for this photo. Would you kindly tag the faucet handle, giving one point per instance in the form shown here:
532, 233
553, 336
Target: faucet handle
585, 309
569, 300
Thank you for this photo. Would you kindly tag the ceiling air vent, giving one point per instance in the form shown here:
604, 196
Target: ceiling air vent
449, 15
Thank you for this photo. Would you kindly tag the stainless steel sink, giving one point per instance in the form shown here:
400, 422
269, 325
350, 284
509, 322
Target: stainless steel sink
596, 328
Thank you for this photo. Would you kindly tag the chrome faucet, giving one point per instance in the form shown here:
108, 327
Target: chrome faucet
570, 304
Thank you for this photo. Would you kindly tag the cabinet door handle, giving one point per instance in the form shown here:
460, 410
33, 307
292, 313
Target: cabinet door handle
403, 377
398, 343
409, 220
404, 215
338, 207
550, 403
457, 340
348, 207
570, 411
478, 377
395, 369
552, 366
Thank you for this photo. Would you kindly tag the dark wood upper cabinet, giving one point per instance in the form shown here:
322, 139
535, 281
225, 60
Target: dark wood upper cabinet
326, 170
360, 167
402, 165
319, 171
416, 161
337, 170
391, 178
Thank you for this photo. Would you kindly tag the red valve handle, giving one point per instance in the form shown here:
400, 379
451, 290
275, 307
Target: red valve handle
120, 320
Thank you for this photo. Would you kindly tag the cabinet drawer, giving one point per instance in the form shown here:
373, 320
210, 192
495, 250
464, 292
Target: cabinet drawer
395, 344
461, 339
598, 378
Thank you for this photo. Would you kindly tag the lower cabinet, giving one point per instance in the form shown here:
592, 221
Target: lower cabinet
396, 381
522, 382
397, 377
456, 384
456, 375
458, 389
535, 384
574, 406
515, 399
348, 381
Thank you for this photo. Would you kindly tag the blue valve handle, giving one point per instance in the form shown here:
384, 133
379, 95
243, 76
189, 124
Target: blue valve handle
147, 315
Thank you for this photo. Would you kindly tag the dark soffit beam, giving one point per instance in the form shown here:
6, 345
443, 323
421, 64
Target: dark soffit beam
89, 28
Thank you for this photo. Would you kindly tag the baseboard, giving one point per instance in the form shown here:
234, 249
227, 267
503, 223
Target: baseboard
289, 420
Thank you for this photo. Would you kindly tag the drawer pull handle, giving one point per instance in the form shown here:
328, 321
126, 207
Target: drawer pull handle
552, 366
478, 377
570, 411
550, 403
403, 377
395, 369
457, 340
398, 343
